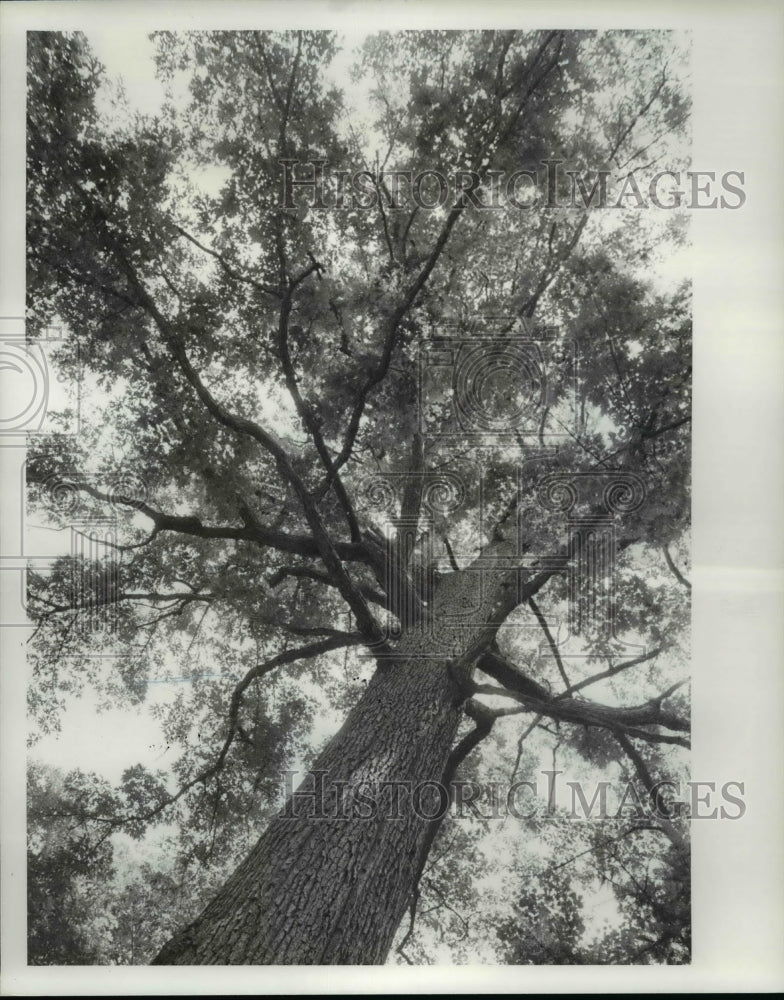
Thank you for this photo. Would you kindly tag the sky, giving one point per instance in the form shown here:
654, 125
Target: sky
739, 351
128, 56
109, 741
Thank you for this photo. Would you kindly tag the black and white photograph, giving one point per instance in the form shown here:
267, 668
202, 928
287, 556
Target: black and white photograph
355, 502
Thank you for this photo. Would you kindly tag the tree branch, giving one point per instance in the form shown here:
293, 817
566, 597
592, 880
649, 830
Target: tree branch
550, 641
302, 545
313, 574
524, 689
230, 271
674, 569
450, 553
305, 411
107, 599
484, 719
260, 670
421, 279
655, 794
249, 428
412, 493
612, 671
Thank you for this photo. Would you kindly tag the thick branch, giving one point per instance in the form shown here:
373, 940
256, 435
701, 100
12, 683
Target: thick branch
313, 574
626, 719
484, 719
305, 410
302, 545
246, 427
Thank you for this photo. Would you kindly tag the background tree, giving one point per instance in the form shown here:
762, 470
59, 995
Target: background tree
265, 422
64, 866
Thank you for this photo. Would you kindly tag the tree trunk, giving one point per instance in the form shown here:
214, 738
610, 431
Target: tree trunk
331, 890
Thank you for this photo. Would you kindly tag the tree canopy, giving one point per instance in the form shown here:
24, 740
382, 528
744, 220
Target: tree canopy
425, 415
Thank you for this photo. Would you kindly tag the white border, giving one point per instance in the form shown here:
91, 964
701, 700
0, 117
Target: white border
739, 361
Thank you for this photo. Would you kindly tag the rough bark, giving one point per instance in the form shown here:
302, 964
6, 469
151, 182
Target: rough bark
332, 890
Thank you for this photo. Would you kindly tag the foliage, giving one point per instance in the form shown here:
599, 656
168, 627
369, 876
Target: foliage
251, 365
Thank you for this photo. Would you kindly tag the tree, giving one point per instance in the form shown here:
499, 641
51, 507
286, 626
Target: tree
89, 893
64, 866
385, 423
